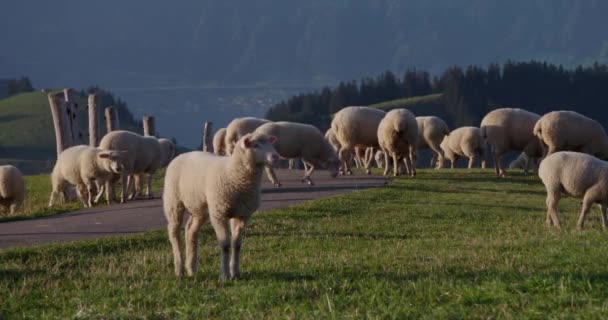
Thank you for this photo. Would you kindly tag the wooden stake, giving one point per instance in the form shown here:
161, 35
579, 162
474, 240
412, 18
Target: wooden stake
111, 116
149, 126
59, 122
93, 123
207, 144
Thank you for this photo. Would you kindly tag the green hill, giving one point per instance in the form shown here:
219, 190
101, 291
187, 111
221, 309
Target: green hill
26, 127
431, 100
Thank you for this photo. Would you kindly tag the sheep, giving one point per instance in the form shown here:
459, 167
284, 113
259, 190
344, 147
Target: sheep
397, 137
522, 160
219, 147
87, 168
571, 131
576, 174
142, 156
508, 129
238, 128
356, 127
222, 190
168, 151
432, 131
465, 142
297, 140
12, 189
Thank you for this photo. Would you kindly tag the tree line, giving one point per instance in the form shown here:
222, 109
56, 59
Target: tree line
467, 93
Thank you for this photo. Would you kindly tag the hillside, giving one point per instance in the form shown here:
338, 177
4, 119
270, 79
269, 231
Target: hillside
276, 41
26, 127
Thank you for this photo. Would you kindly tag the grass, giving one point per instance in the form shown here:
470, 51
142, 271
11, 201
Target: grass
447, 244
38, 193
431, 99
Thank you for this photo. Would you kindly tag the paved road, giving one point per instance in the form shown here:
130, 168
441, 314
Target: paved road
146, 215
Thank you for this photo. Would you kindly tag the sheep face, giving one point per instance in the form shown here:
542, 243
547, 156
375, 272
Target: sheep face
260, 148
112, 161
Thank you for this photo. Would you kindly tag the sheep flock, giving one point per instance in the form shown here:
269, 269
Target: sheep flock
567, 150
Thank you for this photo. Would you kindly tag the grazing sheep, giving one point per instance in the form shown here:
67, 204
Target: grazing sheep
87, 168
222, 190
356, 127
432, 131
397, 137
142, 156
464, 142
522, 160
219, 146
571, 131
508, 129
12, 189
576, 174
238, 128
297, 140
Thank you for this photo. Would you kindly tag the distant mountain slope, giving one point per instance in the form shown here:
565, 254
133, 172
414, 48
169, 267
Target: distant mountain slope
120, 43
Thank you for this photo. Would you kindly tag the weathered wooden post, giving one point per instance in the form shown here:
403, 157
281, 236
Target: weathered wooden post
59, 122
93, 123
207, 144
149, 126
70, 107
111, 116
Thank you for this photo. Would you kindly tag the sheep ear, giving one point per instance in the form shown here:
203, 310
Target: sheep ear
273, 139
104, 155
247, 143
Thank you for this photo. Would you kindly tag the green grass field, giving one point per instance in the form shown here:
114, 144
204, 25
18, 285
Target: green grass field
430, 99
447, 244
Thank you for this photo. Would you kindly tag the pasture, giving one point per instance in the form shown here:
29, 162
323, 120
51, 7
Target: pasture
446, 244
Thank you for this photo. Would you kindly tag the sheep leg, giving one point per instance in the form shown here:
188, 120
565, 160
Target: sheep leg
13, 209
413, 157
193, 228
552, 208
344, 157
126, 180
588, 200
386, 163
368, 161
175, 217
272, 177
222, 232
604, 213
395, 164
307, 173
237, 228
52, 199
100, 191
495, 158
90, 191
471, 162
80, 189
149, 186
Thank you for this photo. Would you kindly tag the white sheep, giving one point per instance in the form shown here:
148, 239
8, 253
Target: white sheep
464, 142
576, 174
222, 190
397, 137
219, 147
168, 151
12, 189
522, 160
508, 129
571, 131
88, 169
142, 156
356, 127
432, 130
297, 140
238, 128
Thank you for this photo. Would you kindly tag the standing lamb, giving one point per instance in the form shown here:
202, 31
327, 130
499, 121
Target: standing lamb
576, 174
12, 189
356, 127
297, 140
219, 147
238, 128
87, 168
432, 131
571, 131
465, 142
222, 190
168, 150
508, 129
397, 137
142, 156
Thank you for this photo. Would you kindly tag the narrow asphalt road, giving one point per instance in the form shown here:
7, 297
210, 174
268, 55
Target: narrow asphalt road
147, 215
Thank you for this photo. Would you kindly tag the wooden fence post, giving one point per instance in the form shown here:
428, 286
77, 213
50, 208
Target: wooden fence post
149, 126
111, 116
93, 123
59, 122
207, 144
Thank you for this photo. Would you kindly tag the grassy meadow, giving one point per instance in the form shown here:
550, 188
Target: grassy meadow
447, 244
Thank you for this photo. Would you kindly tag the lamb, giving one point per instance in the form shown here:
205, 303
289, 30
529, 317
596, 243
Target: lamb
356, 127
12, 189
508, 129
142, 156
571, 131
219, 147
432, 131
576, 174
87, 168
168, 151
465, 142
238, 128
223, 190
297, 140
397, 137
